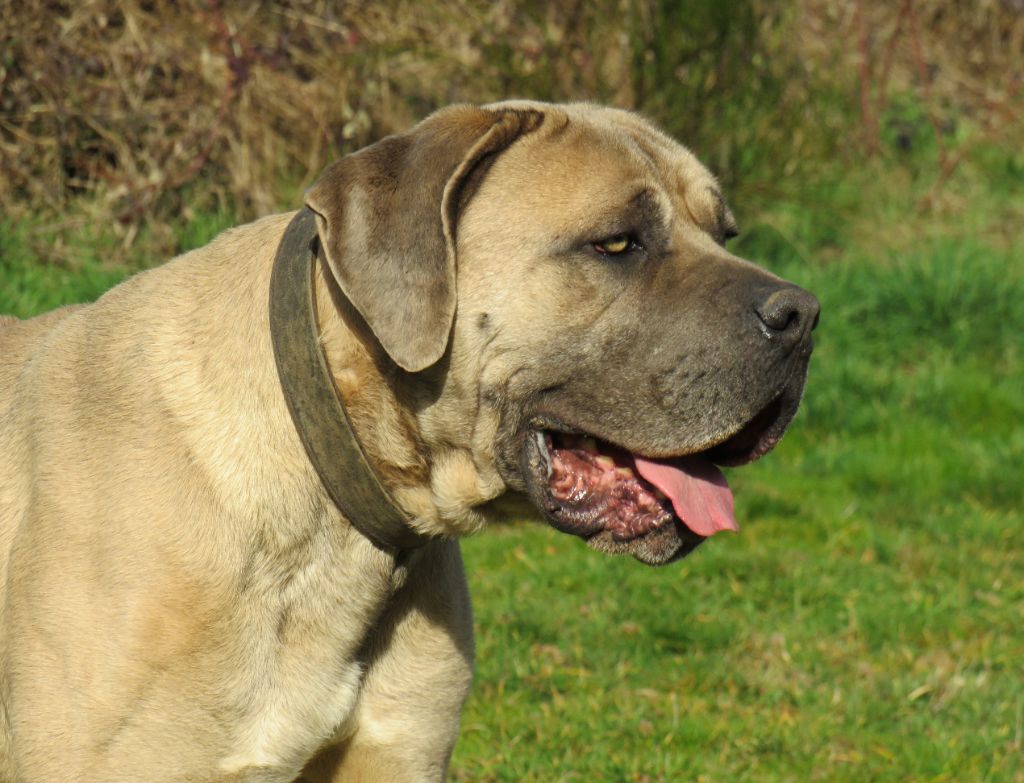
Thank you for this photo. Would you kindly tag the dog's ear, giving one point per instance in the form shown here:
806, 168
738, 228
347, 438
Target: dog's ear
387, 218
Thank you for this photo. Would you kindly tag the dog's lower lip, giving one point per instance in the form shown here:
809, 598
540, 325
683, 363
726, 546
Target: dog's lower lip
585, 492
588, 489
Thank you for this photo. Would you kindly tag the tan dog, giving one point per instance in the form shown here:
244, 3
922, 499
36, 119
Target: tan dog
521, 299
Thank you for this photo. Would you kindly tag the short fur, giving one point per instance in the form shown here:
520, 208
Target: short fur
180, 599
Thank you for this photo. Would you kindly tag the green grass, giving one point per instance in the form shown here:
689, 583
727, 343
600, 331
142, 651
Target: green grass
34, 277
29, 286
866, 625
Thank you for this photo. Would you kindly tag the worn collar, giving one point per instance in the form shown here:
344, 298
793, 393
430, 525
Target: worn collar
317, 411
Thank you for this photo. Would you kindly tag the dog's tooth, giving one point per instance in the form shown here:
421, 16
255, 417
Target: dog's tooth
626, 472
605, 462
545, 453
588, 444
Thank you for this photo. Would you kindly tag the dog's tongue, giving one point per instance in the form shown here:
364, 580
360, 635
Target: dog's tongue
698, 491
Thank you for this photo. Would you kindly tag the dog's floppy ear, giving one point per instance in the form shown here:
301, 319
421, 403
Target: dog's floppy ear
386, 217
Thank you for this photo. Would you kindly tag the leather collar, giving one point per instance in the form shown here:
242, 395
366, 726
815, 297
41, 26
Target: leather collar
317, 411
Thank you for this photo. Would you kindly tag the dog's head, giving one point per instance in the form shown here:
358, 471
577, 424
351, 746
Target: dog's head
554, 279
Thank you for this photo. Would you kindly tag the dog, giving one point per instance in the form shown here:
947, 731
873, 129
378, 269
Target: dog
513, 301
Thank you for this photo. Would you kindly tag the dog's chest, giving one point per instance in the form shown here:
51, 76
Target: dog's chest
303, 677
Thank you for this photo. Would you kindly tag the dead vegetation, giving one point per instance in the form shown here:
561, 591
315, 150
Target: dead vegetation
134, 112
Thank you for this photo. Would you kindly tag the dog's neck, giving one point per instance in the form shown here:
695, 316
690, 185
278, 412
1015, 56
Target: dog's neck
436, 484
317, 412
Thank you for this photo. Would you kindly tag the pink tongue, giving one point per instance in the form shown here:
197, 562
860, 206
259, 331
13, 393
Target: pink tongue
698, 491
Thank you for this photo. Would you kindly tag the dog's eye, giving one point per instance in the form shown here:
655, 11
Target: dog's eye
616, 245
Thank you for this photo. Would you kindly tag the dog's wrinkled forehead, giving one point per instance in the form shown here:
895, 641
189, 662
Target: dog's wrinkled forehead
582, 136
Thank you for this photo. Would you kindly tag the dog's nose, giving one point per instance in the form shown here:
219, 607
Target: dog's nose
789, 313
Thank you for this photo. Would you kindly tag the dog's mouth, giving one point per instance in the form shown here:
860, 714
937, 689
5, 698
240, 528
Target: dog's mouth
612, 497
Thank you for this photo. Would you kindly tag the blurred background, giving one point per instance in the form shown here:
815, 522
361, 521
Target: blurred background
140, 113
867, 623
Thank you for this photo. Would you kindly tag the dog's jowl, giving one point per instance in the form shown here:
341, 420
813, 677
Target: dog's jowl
231, 488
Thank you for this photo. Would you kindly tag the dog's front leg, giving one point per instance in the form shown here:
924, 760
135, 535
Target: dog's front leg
419, 668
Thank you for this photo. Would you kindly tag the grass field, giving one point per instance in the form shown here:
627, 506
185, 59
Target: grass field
868, 622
